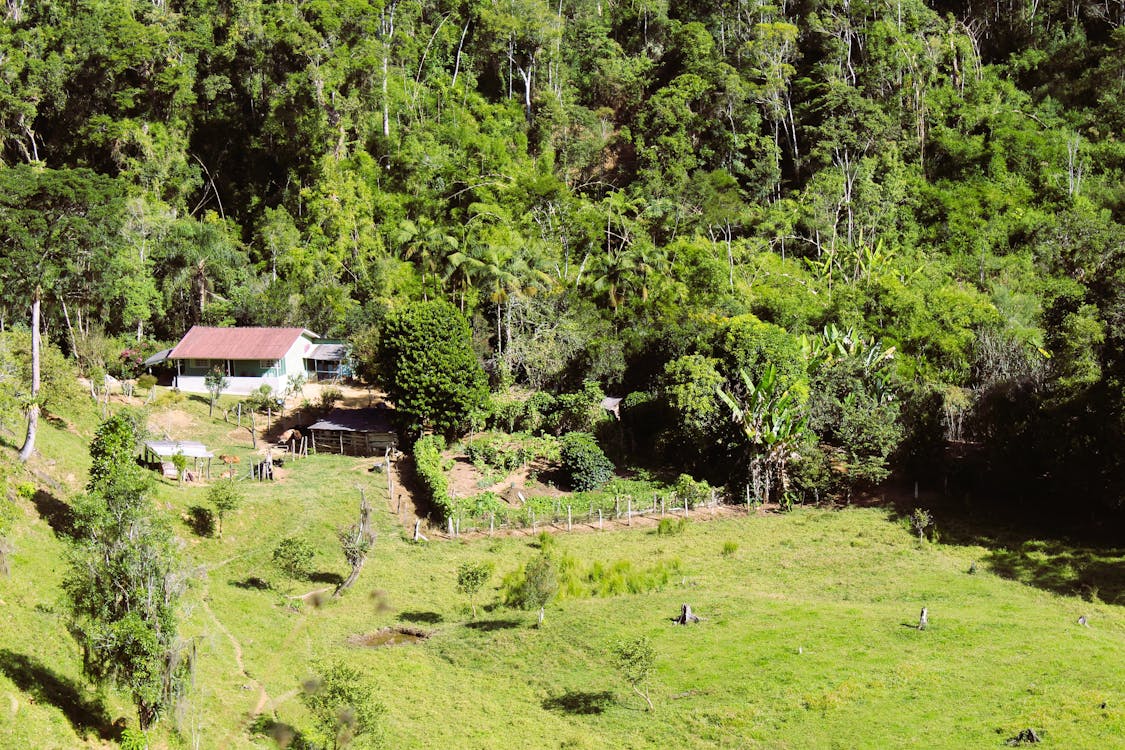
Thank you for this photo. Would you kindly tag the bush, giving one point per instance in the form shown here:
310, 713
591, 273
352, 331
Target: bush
729, 548
328, 398
428, 466
292, 556
146, 381
584, 463
671, 526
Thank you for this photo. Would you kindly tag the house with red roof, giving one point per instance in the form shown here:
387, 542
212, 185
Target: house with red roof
253, 357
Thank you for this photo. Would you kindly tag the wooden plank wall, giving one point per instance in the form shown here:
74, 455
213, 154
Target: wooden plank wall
352, 443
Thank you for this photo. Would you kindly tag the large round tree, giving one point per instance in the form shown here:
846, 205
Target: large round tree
432, 374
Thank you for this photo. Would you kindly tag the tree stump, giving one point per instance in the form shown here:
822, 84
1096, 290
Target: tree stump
686, 616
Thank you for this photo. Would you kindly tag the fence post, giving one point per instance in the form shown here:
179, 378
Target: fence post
568, 527
450, 520
629, 512
617, 507
491, 522
599, 519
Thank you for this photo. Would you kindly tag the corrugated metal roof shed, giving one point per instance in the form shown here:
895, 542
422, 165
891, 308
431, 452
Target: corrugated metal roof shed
328, 352
236, 343
189, 448
157, 358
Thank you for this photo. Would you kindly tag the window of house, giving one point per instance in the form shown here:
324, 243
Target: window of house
204, 363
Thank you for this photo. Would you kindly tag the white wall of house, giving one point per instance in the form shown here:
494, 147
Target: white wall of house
277, 376
235, 386
295, 357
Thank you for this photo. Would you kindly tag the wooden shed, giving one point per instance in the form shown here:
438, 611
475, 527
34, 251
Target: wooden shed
354, 432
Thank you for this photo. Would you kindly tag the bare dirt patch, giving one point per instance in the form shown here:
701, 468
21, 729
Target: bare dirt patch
172, 422
465, 480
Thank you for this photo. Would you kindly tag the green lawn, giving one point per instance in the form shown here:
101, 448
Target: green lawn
808, 637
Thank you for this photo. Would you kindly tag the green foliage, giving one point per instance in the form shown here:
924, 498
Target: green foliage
58, 377
180, 461
224, 497
604, 193
146, 381
729, 547
504, 454
215, 381
433, 377
293, 555
533, 585
671, 526
430, 468
121, 585
636, 661
114, 446
583, 461
920, 520
341, 700
329, 397
470, 578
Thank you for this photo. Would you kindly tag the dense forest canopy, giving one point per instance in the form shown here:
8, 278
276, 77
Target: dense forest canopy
905, 219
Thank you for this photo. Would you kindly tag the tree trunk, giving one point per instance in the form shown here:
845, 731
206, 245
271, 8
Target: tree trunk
685, 617
33, 410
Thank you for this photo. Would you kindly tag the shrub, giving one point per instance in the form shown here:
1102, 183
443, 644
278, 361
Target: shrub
428, 466
146, 381
692, 492
328, 398
432, 374
671, 526
584, 462
729, 548
292, 556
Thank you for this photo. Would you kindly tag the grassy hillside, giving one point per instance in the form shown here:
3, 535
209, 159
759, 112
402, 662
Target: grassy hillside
808, 637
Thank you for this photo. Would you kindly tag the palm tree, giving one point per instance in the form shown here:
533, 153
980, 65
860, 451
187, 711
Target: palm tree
427, 243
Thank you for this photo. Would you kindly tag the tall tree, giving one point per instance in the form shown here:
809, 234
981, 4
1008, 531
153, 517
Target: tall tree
433, 376
122, 585
51, 223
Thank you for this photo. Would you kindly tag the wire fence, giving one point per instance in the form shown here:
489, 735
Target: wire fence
565, 514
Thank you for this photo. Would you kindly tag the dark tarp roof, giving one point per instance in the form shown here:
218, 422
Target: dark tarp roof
356, 420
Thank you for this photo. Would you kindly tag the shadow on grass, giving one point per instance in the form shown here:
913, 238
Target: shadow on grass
284, 735
1063, 569
332, 579
426, 617
58, 515
201, 520
488, 626
579, 703
252, 583
47, 686
1027, 549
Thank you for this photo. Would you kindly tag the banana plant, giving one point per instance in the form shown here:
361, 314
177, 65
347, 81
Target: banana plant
773, 420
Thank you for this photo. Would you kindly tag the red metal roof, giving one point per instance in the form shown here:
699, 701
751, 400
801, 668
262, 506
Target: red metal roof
236, 343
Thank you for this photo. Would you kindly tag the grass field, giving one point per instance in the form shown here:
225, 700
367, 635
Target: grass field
807, 641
